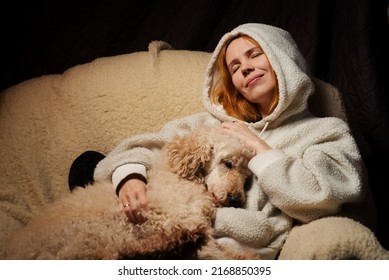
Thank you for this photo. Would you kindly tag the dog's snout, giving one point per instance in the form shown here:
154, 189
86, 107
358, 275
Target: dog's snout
234, 200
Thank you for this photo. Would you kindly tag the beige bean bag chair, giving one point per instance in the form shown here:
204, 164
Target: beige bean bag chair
47, 122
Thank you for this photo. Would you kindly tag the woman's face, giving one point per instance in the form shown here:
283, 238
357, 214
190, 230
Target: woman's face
251, 72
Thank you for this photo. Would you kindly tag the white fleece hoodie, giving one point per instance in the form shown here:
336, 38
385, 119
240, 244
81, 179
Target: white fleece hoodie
313, 170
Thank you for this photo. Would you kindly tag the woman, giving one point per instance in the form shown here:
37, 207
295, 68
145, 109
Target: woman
257, 86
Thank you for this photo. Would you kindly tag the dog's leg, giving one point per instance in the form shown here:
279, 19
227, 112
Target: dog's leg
180, 220
86, 224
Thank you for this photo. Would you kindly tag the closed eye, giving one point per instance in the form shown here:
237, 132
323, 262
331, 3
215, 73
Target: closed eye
256, 54
228, 164
234, 68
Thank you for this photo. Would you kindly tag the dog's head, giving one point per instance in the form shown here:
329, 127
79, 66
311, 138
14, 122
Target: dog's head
215, 160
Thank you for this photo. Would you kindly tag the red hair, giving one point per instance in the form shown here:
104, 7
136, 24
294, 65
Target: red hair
226, 94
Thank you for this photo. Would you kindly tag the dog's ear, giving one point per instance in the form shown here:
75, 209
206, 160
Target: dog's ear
188, 155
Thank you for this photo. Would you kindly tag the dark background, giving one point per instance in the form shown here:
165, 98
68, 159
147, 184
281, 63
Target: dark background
345, 42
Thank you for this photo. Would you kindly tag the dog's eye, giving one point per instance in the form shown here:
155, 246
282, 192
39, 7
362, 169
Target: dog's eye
228, 164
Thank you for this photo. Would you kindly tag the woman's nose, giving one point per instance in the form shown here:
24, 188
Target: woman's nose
247, 69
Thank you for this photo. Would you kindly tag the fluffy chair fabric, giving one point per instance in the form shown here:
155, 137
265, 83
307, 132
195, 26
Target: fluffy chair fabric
48, 121
192, 175
333, 238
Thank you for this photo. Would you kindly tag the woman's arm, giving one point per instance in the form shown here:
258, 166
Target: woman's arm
134, 155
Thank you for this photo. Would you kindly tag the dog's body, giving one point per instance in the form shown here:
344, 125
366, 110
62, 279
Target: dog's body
192, 175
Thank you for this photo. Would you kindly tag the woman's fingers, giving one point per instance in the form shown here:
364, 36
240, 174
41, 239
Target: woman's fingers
134, 212
245, 134
133, 200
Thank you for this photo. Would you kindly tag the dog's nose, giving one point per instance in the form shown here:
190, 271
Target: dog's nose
234, 200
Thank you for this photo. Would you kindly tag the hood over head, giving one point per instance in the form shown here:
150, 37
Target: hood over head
294, 83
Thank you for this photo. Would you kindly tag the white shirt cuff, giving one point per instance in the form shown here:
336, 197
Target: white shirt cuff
260, 161
123, 171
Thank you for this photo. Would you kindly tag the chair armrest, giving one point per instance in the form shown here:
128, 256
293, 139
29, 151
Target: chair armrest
332, 238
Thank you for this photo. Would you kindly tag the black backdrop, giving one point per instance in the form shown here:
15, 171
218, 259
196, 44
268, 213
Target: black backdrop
344, 41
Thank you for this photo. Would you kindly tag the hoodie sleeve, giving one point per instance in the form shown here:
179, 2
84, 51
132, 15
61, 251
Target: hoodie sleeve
316, 179
141, 149
258, 229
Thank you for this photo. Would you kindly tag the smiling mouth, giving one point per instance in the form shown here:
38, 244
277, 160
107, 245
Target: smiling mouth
253, 80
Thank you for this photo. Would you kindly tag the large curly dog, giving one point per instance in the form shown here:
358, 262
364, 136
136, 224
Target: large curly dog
193, 174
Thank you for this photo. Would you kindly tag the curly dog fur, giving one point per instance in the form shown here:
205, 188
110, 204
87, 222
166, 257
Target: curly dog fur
193, 175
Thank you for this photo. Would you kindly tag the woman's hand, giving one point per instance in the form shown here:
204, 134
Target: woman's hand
133, 199
241, 131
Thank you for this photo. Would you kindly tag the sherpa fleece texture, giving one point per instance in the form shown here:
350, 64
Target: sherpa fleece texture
47, 122
313, 171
